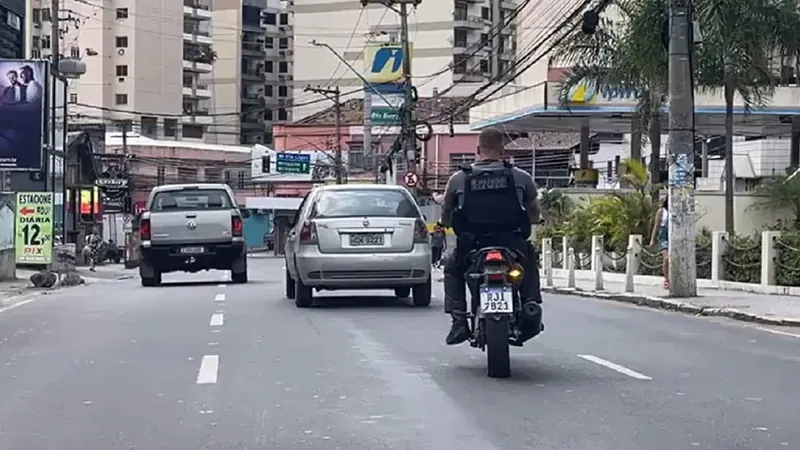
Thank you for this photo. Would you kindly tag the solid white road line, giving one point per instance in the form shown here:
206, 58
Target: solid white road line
221, 285
17, 304
219, 298
209, 368
615, 367
782, 333
217, 319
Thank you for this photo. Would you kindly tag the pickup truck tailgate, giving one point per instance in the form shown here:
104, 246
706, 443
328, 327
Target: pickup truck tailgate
194, 227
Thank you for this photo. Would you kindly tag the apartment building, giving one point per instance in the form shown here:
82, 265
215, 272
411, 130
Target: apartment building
458, 44
252, 77
12, 33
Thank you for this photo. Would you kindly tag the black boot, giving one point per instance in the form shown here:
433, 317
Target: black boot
459, 330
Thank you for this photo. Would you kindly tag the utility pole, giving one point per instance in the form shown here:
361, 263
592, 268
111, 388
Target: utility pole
55, 34
335, 96
408, 119
682, 263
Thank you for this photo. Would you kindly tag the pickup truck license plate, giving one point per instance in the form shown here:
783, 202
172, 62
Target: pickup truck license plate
192, 250
497, 300
366, 239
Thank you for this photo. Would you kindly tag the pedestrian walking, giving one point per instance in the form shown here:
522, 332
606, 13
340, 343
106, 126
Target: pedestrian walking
661, 231
93, 242
438, 244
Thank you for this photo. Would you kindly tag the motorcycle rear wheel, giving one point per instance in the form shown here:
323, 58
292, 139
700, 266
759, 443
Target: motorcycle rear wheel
498, 356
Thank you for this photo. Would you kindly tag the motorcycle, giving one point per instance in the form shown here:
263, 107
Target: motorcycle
497, 311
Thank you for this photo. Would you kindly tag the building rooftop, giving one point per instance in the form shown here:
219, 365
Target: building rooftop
353, 112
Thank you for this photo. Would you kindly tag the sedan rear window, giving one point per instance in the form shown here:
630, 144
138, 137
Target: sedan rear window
189, 199
365, 202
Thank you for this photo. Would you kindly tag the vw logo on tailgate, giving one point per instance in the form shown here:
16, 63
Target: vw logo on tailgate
191, 224
366, 223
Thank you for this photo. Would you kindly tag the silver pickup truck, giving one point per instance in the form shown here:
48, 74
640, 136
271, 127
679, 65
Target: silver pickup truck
189, 228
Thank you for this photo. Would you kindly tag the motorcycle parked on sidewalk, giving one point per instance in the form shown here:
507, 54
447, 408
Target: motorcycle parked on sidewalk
498, 314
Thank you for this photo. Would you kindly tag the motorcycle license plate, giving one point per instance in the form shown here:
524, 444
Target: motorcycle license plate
497, 300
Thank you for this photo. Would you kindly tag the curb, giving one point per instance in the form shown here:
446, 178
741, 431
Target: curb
677, 306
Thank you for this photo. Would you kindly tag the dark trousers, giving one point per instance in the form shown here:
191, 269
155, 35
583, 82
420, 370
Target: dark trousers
436, 254
456, 265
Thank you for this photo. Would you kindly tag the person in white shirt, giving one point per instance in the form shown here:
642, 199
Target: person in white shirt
30, 90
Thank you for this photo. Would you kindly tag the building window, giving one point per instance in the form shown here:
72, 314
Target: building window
213, 174
122, 71
459, 64
187, 175
270, 19
46, 42
282, 115
161, 175
485, 66
283, 67
193, 131
283, 91
149, 126
170, 127
73, 97
283, 43
486, 13
122, 41
269, 42
75, 52
284, 19
267, 114
268, 91
37, 16
355, 156
459, 160
121, 99
122, 13
269, 67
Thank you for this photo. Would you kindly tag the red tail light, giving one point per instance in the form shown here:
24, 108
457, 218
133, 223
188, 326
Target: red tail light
237, 227
496, 276
494, 256
421, 235
308, 234
144, 229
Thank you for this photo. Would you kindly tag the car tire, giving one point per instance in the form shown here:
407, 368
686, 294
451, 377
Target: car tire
421, 294
153, 281
289, 285
239, 277
402, 292
303, 295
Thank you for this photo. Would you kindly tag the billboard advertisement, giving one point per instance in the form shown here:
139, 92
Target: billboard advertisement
22, 111
383, 63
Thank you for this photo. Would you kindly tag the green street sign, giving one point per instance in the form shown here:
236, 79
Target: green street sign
383, 115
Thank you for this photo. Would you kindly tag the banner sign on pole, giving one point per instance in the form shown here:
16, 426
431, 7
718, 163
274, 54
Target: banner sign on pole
22, 111
33, 230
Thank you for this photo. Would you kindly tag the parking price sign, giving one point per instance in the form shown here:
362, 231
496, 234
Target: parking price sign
33, 230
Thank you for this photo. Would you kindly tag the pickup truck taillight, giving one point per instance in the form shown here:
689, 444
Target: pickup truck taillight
421, 235
308, 233
144, 229
237, 227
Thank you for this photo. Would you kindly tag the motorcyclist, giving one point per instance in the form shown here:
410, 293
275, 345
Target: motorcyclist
489, 203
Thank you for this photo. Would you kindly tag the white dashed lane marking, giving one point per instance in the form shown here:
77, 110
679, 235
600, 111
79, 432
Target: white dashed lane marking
209, 368
217, 320
615, 367
219, 298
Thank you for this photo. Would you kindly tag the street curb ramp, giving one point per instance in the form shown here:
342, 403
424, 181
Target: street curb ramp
677, 306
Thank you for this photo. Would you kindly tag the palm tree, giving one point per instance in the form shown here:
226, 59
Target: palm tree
740, 38
624, 54
781, 193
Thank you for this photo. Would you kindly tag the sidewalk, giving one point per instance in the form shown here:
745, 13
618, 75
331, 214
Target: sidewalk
781, 310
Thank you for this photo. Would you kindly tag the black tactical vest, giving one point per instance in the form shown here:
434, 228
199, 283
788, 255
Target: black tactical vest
490, 204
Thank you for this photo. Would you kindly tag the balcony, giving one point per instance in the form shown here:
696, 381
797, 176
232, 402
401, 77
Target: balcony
198, 118
198, 67
197, 38
461, 19
200, 91
254, 76
195, 11
253, 100
476, 48
468, 77
253, 49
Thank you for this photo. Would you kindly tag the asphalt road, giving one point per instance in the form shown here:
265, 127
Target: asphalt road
220, 366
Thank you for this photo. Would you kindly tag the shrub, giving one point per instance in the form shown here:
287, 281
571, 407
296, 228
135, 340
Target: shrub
787, 268
742, 259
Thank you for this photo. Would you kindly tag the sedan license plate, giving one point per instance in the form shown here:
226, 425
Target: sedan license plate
497, 301
366, 239
192, 250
